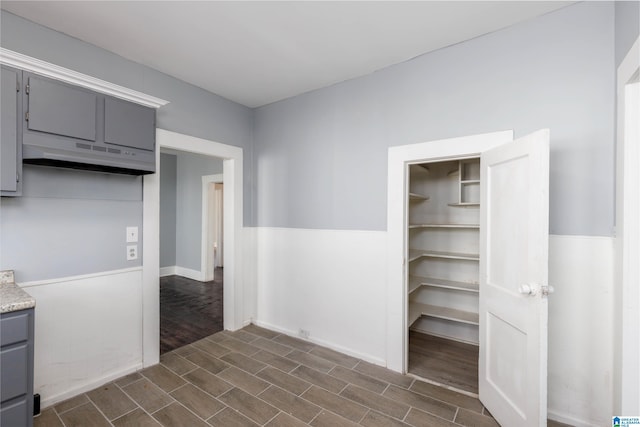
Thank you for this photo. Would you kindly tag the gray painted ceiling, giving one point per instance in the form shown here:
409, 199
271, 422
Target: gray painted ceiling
256, 53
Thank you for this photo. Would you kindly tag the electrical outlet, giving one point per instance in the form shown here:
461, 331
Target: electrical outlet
132, 252
304, 333
132, 234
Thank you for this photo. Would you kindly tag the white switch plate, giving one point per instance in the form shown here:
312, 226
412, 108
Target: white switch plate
132, 252
132, 234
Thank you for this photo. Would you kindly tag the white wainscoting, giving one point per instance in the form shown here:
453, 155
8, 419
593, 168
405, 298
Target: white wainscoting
249, 277
329, 283
88, 331
333, 285
581, 322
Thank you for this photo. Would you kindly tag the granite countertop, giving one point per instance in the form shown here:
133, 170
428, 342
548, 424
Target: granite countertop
12, 297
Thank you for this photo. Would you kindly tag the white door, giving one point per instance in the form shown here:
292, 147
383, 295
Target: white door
514, 231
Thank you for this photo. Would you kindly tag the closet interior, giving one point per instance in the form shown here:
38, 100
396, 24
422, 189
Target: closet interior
443, 271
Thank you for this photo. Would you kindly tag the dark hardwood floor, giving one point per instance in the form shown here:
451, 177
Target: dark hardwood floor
447, 362
189, 310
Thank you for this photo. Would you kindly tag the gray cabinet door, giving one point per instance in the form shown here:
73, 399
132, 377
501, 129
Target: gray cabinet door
16, 414
60, 109
15, 374
10, 158
129, 125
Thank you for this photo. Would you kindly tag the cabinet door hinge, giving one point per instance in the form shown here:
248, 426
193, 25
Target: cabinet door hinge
26, 116
17, 177
17, 86
26, 89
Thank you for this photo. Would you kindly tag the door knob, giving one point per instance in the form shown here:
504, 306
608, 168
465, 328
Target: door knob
528, 289
547, 289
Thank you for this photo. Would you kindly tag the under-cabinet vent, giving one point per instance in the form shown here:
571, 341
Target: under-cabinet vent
113, 150
98, 148
84, 146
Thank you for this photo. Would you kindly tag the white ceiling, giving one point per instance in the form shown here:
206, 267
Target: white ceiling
260, 52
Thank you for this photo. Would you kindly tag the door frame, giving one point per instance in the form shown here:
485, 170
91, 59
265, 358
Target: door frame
399, 158
205, 248
627, 395
233, 299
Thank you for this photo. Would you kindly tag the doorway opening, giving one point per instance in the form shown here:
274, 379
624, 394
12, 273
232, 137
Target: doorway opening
400, 160
442, 241
191, 218
212, 224
437, 255
234, 313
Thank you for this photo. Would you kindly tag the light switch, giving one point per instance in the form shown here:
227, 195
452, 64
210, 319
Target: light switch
132, 252
132, 234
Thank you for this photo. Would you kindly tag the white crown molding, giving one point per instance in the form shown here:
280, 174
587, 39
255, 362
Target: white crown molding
27, 63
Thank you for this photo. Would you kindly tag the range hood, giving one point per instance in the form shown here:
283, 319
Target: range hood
94, 157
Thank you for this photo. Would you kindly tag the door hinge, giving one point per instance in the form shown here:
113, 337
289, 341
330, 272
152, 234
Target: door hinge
26, 116
17, 86
26, 89
17, 177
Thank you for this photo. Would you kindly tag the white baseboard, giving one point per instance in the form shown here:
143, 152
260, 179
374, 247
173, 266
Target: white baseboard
182, 271
566, 419
332, 346
167, 271
190, 274
96, 382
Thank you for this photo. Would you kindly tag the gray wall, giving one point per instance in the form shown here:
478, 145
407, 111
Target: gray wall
627, 16
321, 157
31, 233
69, 223
190, 170
168, 194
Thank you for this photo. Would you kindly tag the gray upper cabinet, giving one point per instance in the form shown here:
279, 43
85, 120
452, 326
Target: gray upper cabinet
129, 125
10, 147
73, 127
60, 109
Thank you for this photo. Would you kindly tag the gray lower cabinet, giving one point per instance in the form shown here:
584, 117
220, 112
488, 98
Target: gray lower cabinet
10, 146
16, 366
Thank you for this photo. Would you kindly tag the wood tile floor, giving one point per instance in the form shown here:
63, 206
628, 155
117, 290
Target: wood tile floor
444, 361
189, 310
256, 377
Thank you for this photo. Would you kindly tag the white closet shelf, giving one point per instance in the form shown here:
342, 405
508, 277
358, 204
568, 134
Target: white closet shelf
416, 197
472, 226
416, 310
415, 254
470, 181
465, 205
416, 281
